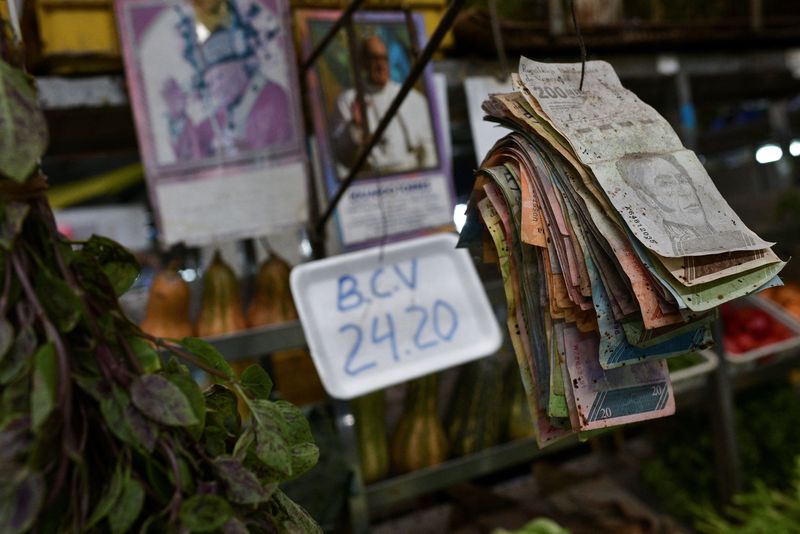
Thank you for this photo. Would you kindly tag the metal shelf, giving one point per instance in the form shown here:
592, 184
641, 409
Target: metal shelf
382, 494
258, 342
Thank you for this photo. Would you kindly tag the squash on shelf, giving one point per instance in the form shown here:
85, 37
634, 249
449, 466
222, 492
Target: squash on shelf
373, 449
419, 440
520, 422
474, 418
167, 313
272, 301
221, 310
293, 370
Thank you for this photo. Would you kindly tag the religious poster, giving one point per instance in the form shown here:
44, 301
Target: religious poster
215, 95
405, 186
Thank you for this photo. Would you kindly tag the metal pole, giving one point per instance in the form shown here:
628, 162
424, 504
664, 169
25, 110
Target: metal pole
416, 71
355, 54
723, 421
357, 497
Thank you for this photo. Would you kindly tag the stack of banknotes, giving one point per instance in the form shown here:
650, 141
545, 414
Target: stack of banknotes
614, 245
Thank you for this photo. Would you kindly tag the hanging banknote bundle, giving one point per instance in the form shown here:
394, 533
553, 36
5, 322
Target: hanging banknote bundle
614, 245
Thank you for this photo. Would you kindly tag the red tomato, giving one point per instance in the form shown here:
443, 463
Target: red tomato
745, 341
759, 324
731, 347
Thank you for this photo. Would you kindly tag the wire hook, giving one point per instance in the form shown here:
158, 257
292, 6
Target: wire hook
497, 36
580, 42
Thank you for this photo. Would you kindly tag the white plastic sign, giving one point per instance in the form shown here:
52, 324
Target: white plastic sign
371, 324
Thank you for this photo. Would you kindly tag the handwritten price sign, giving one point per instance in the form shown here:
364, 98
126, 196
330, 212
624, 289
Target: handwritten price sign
372, 324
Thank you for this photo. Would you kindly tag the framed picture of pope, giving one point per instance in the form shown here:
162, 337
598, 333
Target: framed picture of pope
384, 43
405, 187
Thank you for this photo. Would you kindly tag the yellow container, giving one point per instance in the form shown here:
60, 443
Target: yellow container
71, 28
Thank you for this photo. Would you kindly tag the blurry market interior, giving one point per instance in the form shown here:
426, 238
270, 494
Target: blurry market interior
725, 74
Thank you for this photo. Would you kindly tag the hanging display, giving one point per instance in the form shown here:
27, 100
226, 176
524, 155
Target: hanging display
405, 186
215, 95
614, 245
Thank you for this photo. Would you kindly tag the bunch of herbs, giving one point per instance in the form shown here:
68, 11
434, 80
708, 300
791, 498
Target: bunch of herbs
102, 427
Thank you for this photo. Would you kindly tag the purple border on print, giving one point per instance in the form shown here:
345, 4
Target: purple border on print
140, 14
134, 19
320, 120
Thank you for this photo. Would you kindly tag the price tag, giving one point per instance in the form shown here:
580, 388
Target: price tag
371, 324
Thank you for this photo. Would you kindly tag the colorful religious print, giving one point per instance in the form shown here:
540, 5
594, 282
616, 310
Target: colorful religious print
215, 95
405, 186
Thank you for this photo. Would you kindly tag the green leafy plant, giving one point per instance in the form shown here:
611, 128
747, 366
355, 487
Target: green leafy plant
102, 427
761, 510
681, 474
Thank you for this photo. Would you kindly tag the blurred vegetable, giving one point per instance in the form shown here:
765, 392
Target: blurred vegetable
684, 361
419, 439
373, 447
747, 328
787, 296
681, 475
760, 511
167, 312
540, 525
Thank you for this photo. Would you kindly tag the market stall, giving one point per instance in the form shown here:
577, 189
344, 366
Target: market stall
449, 268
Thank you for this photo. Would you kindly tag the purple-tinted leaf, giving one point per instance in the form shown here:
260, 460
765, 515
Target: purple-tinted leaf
196, 399
243, 444
14, 438
108, 497
214, 440
256, 381
207, 487
12, 215
273, 451
234, 526
162, 401
144, 430
45, 384
205, 513
19, 359
223, 410
126, 422
299, 520
297, 429
23, 129
6, 337
127, 508
241, 485
119, 265
304, 457
21, 496
91, 385
271, 448
144, 352
209, 354
62, 302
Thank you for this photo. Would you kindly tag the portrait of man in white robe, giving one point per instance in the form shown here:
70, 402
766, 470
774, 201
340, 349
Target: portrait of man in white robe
407, 145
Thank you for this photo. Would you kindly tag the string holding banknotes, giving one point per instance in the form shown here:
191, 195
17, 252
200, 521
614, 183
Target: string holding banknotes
614, 245
581, 44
